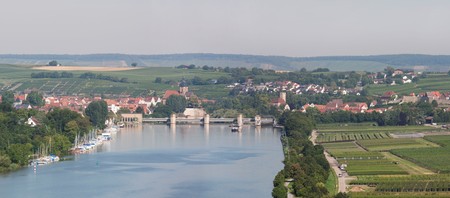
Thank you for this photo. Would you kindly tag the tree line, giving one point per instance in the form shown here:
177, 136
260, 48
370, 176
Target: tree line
54, 133
52, 75
304, 162
87, 75
90, 75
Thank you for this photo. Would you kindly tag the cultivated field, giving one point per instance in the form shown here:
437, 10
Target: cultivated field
83, 68
390, 167
437, 82
389, 144
141, 81
343, 136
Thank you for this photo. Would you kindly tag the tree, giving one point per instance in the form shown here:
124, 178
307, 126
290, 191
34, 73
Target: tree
134, 64
19, 153
158, 80
58, 118
35, 98
279, 192
139, 110
8, 97
177, 103
342, 195
60, 145
97, 112
53, 63
434, 104
161, 111
7, 101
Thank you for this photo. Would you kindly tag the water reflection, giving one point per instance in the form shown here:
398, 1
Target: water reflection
162, 161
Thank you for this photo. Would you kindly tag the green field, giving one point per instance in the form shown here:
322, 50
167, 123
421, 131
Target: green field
436, 159
438, 82
443, 140
361, 162
331, 183
141, 82
372, 166
389, 144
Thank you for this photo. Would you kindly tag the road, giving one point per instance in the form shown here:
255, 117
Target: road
334, 164
289, 194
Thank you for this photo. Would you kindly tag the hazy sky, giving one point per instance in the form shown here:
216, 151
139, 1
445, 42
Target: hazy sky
275, 27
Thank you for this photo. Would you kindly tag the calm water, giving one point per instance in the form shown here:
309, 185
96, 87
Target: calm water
160, 161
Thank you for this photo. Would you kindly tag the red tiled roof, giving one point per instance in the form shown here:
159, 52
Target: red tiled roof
168, 93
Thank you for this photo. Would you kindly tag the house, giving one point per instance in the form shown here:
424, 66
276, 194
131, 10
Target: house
355, 107
280, 101
320, 108
334, 105
410, 99
194, 113
433, 95
33, 122
397, 72
169, 93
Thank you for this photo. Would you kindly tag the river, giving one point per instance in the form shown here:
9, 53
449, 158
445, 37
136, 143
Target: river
161, 161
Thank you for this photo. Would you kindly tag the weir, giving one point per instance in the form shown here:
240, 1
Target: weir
240, 120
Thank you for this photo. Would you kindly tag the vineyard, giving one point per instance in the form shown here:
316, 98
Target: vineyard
389, 144
436, 159
443, 140
338, 137
410, 183
390, 167
368, 127
372, 166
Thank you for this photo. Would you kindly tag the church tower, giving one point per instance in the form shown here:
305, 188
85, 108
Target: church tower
183, 88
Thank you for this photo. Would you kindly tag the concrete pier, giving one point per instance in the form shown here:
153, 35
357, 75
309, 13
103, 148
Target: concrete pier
257, 120
240, 120
173, 119
206, 119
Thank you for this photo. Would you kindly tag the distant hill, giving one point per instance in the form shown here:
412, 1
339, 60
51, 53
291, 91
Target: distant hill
334, 63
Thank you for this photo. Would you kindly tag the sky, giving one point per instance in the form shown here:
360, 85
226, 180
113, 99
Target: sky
260, 27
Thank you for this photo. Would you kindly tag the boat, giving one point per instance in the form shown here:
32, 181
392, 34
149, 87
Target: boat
235, 128
121, 124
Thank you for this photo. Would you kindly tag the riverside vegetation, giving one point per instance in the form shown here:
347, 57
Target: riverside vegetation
55, 133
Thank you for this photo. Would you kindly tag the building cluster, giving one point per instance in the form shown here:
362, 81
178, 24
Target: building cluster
398, 75
293, 87
79, 103
339, 105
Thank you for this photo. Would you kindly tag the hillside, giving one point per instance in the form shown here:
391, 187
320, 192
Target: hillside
335, 63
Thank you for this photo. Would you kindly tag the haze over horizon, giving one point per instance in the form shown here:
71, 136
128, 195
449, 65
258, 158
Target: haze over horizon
287, 28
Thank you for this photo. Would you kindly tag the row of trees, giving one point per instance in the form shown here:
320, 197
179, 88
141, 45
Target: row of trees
404, 114
52, 75
304, 162
90, 75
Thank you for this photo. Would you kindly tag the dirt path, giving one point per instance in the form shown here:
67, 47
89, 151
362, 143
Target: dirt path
334, 164
410, 167
289, 194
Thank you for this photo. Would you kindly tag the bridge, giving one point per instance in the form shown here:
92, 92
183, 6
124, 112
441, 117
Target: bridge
207, 120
